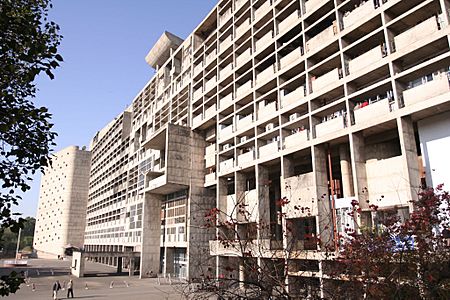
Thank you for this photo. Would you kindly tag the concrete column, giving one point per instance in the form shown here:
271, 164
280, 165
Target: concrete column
410, 159
288, 167
131, 267
151, 225
357, 150
325, 217
262, 187
119, 264
240, 187
346, 171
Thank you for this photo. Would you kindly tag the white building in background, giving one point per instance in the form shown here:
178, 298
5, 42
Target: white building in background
61, 215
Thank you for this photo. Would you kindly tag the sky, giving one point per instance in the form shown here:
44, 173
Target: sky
104, 46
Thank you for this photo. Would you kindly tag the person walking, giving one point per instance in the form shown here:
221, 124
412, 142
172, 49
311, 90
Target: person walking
56, 288
70, 288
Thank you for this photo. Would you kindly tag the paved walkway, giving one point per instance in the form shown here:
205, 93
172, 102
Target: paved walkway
43, 273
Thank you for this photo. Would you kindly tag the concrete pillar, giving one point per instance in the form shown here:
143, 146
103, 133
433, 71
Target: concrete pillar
78, 261
240, 184
357, 150
131, 267
410, 159
346, 171
119, 264
262, 187
151, 226
325, 217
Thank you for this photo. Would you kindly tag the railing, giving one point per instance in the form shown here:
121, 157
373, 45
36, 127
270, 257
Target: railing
224, 18
223, 45
197, 94
263, 10
296, 139
226, 131
244, 121
244, 89
247, 157
291, 57
358, 13
293, 96
198, 68
266, 110
321, 39
241, 29
330, 126
210, 111
210, 179
211, 83
288, 22
223, 73
197, 120
238, 3
264, 41
439, 85
371, 111
416, 33
211, 56
210, 160
312, 5
226, 165
265, 75
243, 57
325, 80
268, 149
365, 60
226, 101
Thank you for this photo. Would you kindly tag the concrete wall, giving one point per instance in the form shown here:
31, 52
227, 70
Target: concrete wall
434, 134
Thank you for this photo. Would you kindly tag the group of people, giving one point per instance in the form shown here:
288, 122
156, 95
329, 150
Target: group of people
57, 287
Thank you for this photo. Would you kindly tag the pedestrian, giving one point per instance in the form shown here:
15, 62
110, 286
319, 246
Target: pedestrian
70, 288
56, 288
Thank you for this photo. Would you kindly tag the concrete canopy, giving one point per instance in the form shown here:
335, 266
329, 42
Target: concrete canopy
161, 50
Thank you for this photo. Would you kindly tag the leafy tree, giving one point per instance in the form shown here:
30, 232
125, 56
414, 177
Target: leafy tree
28, 46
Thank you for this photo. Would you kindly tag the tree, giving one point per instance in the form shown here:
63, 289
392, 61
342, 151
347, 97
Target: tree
401, 260
28, 46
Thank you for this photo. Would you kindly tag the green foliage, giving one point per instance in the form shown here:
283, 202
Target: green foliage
28, 46
8, 242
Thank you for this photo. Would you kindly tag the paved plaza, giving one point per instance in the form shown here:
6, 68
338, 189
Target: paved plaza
101, 283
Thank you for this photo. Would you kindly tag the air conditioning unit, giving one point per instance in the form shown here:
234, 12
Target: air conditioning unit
226, 146
243, 139
294, 116
269, 126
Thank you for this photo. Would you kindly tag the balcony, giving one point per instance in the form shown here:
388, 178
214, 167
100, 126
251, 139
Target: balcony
242, 28
197, 120
210, 84
251, 202
210, 160
372, 111
365, 60
243, 121
287, 23
292, 97
197, 94
210, 179
269, 149
263, 10
243, 57
223, 45
226, 101
246, 158
438, 86
325, 80
225, 17
226, 132
265, 75
358, 13
264, 41
291, 57
296, 139
331, 126
226, 165
244, 89
416, 33
312, 5
198, 68
231, 207
322, 39
226, 71
238, 4
267, 109
210, 111
211, 56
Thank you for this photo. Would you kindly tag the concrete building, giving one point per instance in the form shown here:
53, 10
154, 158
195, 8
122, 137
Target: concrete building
63, 194
319, 102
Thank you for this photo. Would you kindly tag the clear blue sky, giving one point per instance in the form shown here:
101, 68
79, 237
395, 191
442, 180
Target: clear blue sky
104, 45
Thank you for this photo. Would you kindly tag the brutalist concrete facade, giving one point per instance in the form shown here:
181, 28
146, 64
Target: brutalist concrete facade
63, 194
319, 102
